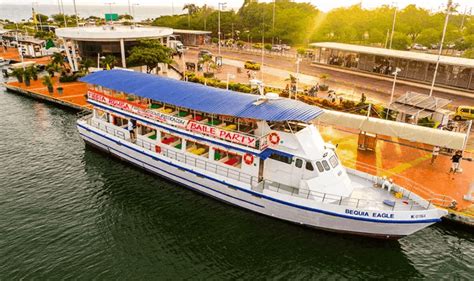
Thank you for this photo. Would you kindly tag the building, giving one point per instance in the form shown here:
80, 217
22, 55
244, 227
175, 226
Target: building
192, 37
96, 41
453, 72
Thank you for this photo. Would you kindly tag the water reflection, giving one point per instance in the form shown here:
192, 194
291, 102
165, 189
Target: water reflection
205, 237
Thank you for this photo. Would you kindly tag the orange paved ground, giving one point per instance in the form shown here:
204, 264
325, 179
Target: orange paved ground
404, 163
74, 92
12, 54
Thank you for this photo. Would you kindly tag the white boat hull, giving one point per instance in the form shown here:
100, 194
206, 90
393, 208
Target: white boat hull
331, 217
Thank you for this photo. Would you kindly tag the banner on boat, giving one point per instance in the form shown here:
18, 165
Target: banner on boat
222, 134
137, 109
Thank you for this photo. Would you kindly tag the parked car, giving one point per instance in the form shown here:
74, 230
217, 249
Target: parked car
252, 65
419, 47
203, 53
450, 45
434, 46
464, 112
276, 48
285, 47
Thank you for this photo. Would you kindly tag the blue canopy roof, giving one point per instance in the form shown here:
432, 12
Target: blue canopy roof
202, 98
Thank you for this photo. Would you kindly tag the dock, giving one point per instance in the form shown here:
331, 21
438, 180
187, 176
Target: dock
73, 96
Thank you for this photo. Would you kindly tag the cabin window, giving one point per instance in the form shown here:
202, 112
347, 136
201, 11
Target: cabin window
228, 158
309, 166
197, 148
102, 115
333, 161
171, 140
320, 167
146, 131
281, 158
326, 165
120, 122
299, 163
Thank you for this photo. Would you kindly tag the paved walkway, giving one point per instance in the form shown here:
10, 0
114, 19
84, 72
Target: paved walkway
12, 54
74, 93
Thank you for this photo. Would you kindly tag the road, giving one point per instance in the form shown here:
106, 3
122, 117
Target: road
375, 89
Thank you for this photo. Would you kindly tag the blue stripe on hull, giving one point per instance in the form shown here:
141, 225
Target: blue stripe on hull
256, 193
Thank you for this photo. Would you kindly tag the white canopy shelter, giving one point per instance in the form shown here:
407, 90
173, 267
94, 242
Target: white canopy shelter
448, 139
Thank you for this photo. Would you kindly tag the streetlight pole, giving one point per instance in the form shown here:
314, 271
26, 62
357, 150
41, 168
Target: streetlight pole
129, 8
263, 46
64, 14
395, 74
393, 27
298, 60
75, 12
221, 5
273, 22
133, 10
448, 10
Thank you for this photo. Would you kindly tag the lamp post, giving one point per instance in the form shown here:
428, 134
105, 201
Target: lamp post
298, 61
110, 9
229, 76
64, 14
129, 8
273, 22
395, 74
75, 12
133, 10
393, 27
448, 11
221, 5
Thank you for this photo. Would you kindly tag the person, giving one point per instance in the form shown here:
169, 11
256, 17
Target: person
456, 159
363, 98
435, 154
387, 183
131, 129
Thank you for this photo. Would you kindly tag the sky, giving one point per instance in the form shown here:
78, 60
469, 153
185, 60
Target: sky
324, 5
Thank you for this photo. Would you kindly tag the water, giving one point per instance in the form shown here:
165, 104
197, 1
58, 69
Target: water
69, 211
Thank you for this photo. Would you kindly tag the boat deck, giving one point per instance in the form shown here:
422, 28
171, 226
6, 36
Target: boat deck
373, 197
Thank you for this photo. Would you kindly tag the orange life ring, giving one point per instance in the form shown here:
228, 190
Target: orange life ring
157, 149
248, 159
274, 138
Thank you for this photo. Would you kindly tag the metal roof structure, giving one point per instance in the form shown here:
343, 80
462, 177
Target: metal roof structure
109, 33
189, 31
203, 98
417, 104
417, 56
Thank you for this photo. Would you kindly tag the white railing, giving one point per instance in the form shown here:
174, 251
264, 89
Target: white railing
410, 189
197, 162
339, 200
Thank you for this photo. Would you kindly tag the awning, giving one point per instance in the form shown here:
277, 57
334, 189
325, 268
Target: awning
203, 98
441, 138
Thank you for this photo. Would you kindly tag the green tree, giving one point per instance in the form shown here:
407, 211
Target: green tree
110, 61
41, 18
149, 53
400, 41
429, 36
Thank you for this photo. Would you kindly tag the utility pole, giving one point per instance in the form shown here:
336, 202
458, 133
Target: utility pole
221, 5
393, 27
263, 46
64, 14
75, 12
273, 22
448, 11
129, 8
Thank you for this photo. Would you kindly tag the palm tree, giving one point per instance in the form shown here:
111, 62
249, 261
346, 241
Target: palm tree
192, 9
109, 60
86, 64
57, 58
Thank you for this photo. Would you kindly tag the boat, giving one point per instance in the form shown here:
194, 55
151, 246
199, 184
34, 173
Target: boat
259, 152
